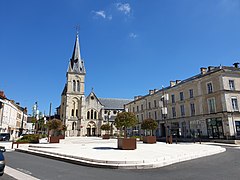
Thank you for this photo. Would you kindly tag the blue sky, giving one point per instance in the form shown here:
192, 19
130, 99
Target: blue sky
128, 47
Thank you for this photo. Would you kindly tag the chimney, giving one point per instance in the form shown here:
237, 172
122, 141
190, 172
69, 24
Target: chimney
178, 81
137, 97
2, 94
236, 65
172, 83
203, 70
151, 92
210, 68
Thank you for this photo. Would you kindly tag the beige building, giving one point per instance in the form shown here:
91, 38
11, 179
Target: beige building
13, 117
82, 115
206, 104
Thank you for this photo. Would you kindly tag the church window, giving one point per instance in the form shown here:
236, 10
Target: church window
91, 114
72, 112
88, 115
78, 86
74, 85
76, 112
114, 112
73, 125
95, 115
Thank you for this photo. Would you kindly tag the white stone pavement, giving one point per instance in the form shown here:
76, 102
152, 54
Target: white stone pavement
104, 153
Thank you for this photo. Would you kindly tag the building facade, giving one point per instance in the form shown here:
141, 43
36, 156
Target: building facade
13, 117
206, 104
83, 115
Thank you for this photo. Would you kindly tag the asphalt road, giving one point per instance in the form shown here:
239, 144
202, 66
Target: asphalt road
224, 166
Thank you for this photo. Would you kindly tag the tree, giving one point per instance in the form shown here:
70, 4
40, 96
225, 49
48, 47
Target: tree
149, 124
125, 120
105, 127
56, 126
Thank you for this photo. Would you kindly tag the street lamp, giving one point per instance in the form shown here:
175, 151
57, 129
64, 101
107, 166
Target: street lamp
164, 100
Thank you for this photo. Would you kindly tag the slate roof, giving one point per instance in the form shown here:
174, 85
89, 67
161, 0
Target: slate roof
111, 103
76, 64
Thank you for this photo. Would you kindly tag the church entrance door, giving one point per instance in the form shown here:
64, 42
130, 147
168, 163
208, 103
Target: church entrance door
91, 129
88, 131
94, 131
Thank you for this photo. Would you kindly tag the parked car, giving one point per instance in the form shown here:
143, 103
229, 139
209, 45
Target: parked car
4, 136
2, 160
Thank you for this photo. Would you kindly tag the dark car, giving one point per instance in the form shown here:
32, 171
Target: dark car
4, 136
2, 160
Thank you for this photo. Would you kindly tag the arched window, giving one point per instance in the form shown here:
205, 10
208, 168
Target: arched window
73, 125
91, 114
72, 112
76, 112
78, 86
74, 85
88, 115
95, 115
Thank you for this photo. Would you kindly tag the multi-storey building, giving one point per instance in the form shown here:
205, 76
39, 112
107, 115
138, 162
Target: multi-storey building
13, 118
206, 104
84, 115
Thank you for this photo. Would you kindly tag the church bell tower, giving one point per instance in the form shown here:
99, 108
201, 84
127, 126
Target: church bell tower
73, 95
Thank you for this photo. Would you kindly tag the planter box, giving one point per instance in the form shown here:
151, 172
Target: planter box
149, 139
127, 143
106, 136
54, 139
61, 137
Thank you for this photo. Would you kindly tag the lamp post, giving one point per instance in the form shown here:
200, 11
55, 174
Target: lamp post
164, 100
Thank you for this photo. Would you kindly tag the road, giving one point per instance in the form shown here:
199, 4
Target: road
221, 166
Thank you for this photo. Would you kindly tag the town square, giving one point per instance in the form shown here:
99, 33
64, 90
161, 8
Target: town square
120, 89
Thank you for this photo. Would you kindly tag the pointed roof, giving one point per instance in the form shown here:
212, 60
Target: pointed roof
76, 64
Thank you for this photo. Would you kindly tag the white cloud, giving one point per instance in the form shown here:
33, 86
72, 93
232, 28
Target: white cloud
133, 35
100, 13
124, 7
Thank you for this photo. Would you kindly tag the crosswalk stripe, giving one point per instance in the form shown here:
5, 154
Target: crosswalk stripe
17, 174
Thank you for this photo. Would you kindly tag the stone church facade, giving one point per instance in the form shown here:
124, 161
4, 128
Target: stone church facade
83, 115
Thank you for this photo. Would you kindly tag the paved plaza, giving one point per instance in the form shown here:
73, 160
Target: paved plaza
97, 152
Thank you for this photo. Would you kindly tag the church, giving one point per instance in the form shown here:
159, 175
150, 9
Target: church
84, 115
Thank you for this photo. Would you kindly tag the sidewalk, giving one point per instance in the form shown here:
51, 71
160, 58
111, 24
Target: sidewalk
93, 151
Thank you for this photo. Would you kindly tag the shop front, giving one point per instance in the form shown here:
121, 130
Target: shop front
215, 128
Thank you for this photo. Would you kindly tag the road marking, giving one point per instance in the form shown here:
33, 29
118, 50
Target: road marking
18, 175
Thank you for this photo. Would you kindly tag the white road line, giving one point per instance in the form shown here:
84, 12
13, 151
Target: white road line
17, 174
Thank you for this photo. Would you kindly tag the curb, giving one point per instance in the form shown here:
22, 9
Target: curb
118, 164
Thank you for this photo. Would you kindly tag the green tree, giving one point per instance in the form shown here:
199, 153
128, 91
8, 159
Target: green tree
149, 124
125, 120
105, 127
56, 126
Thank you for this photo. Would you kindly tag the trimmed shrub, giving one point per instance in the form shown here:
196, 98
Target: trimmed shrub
30, 138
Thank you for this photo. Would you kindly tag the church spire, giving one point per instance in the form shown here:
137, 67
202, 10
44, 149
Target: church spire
76, 64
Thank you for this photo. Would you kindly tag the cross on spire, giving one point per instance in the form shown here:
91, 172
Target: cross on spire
77, 27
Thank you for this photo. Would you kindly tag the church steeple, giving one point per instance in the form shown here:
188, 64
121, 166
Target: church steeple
76, 64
